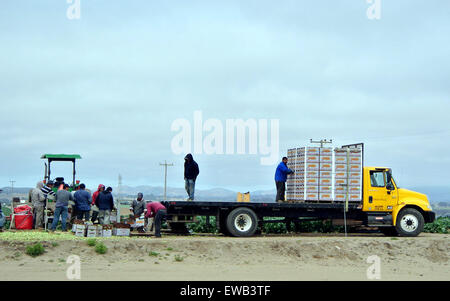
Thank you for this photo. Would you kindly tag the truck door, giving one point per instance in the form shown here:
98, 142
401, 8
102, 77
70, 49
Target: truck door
381, 197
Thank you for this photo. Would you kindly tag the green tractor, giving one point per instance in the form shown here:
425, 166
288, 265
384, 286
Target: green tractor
58, 181
60, 158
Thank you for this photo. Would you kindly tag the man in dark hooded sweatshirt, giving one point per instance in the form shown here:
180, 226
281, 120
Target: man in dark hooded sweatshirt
105, 204
191, 172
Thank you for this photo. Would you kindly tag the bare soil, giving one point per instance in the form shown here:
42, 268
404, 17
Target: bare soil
264, 258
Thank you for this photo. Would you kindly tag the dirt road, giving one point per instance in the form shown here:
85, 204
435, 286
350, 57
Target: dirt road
299, 257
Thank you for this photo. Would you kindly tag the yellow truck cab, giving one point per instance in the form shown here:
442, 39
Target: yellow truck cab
395, 210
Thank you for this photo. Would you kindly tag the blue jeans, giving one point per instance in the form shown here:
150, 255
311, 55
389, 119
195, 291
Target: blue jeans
60, 212
2, 220
190, 188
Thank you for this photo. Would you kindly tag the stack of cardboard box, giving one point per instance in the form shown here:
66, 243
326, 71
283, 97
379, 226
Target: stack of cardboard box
348, 174
312, 180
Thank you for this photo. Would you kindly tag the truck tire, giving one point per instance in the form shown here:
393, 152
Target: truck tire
222, 225
389, 231
410, 222
242, 222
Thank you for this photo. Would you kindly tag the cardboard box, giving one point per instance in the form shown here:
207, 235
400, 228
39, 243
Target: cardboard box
326, 167
355, 160
325, 197
339, 197
309, 151
312, 159
340, 189
325, 189
340, 167
312, 189
354, 182
340, 182
80, 230
340, 152
357, 152
352, 197
340, 160
326, 151
355, 175
312, 197
312, 166
354, 168
340, 175
91, 233
121, 232
107, 233
325, 182
312, 181
326, 159
326, 174
354, 189
312, 174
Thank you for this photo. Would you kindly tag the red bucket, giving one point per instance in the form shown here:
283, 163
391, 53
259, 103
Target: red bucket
24, 221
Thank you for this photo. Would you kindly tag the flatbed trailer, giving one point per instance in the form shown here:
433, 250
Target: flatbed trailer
382, 204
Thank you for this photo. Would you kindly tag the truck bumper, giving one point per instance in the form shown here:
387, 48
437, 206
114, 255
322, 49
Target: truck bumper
429, 216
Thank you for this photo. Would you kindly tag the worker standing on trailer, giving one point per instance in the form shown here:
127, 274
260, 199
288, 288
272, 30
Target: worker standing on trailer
94, 207
191, 172
158, 211
38, 201
280, 180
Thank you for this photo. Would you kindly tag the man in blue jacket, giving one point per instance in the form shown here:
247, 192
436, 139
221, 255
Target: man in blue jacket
83, 201
280, 179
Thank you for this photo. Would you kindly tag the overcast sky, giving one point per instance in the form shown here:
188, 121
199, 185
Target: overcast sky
109, 85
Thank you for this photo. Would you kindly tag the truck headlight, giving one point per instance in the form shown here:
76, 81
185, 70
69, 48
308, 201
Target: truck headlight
429, 207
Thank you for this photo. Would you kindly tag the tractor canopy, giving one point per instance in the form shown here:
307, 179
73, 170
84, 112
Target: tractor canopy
60, 157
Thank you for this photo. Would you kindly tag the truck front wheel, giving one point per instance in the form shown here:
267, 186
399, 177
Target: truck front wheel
242, 222
410, 222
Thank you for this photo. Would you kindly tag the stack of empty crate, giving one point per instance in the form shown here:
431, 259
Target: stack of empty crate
312, 179
348, 174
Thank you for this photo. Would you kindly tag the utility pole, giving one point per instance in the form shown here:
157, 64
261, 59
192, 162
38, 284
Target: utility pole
322, 142
12, 186
165, 164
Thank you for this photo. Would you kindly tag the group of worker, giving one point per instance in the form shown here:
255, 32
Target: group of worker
80, 204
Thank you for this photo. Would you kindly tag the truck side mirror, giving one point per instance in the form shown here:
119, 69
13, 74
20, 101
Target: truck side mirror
390, 186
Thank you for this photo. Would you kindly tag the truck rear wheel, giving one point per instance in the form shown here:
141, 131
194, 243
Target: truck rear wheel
242, 222
410, 222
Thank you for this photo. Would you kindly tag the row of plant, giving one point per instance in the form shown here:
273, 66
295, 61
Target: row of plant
441, 225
